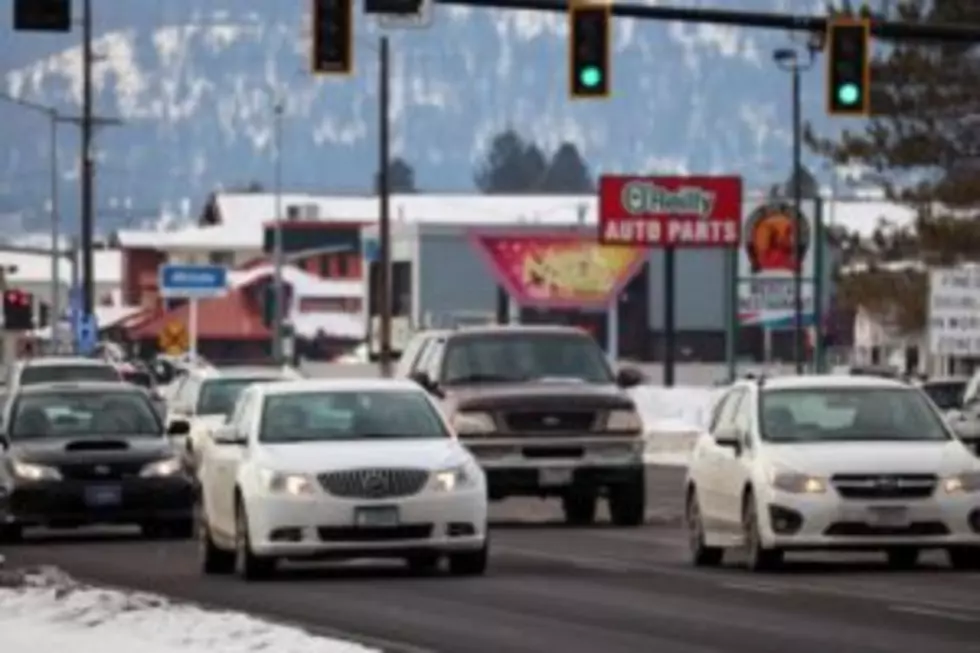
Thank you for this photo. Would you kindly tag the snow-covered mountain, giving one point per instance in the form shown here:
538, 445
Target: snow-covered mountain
195, 82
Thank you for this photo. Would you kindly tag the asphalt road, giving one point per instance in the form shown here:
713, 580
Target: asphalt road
573, 590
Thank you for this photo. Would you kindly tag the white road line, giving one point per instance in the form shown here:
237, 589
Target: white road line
929, 612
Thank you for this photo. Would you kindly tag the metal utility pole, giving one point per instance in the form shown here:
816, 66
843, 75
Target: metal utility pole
88, 203
277, 247
670, 328
384, 221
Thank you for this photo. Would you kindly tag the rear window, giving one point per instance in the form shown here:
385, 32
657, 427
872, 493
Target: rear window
947, 395
142, 379
33, 375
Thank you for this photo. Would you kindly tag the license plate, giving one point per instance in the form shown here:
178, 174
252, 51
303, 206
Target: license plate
555, 477
101, 496
376, 516
888, 516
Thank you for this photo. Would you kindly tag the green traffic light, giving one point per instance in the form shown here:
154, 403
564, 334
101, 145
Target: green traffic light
848, 94
590, 76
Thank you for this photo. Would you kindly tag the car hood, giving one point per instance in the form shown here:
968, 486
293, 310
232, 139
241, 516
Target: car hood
328, 456
827, 459
55, 451
543, 395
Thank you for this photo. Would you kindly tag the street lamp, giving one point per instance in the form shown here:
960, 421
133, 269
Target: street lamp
793, 62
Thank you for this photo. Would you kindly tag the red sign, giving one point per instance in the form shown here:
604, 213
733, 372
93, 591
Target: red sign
559, 270
675, 211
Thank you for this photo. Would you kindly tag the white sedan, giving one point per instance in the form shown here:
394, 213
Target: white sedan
835, 463
340, 468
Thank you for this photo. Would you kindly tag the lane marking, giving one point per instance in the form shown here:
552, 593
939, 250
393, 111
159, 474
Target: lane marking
929, 612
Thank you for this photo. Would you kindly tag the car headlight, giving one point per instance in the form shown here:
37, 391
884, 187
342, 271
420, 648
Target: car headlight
34, 472
624, 420
296, 485
454, 478
473, 423
798, 483
962, 483
167, 467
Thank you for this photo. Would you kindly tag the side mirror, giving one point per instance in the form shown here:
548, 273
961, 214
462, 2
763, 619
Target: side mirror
179, 427
4, 442
729, 437
630, 377
424, 380
228, 435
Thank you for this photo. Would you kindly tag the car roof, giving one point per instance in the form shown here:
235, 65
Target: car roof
515, 329
79, 386
337, 385
244, 372
75, 361
828, 381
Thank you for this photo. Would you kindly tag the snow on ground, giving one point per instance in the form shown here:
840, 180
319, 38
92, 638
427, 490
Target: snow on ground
45, 611
673, 418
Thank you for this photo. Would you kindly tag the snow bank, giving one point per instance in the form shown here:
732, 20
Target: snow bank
673, 418
46, 611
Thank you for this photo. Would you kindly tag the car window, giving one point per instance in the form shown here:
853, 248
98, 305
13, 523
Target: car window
430, 358
525, 356
35, 374
413, 352
947, 395
83, 414
349, 415
726, 414
718, 407
219, 396
842, 414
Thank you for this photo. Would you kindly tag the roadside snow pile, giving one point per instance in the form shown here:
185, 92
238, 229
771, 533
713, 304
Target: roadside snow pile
46, 611
673, 418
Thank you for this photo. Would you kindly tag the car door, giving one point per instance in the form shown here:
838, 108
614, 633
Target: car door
712, 462
224, 460
735, 467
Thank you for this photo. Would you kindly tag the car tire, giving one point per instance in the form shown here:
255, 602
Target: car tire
964, 557
702, 555
248, 565
628, 501
579, 506
423, 563
902, 558
757, 557
214, 561
11, 533
470, 563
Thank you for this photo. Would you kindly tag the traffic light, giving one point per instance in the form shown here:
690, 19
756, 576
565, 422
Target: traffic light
589, 43
849, 67
42, 15
333, 37
18, 310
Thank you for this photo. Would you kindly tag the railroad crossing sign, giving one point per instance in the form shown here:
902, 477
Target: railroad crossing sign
173, 339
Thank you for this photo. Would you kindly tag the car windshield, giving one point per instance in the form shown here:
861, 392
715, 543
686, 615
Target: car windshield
947, 395
219, 396
350, 415
848, 413
83, 414
524, 357
36, 374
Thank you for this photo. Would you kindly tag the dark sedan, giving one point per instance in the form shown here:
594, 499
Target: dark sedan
75, 454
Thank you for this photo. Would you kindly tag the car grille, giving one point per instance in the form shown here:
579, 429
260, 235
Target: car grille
885, 486
916, 529
99, 471
550, 421
380, 483
375, 534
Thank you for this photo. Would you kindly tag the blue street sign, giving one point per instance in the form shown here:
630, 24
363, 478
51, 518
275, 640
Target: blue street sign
193, 281
371, 250
86, 331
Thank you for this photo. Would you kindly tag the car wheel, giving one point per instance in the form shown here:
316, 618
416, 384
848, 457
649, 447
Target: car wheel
628, 502
214, 561
964, 557
701, 554
11, 533
470, 563
248, 565
579, 506
757, 557
423, 563
903, 558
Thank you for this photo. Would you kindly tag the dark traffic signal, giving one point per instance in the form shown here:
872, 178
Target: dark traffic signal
849, 67
589, 44
42, 15
18, 310
333, 37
